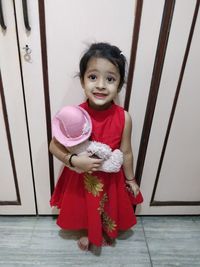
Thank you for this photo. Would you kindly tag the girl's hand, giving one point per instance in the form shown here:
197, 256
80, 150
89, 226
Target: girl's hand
133, 187
86, 163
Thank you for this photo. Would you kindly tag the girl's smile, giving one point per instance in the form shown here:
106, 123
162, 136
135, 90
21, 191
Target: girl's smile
101, 82
100, 95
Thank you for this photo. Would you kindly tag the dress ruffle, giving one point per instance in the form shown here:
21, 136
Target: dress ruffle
97, 202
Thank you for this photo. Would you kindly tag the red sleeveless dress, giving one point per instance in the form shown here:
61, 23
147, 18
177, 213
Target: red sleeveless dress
100, 201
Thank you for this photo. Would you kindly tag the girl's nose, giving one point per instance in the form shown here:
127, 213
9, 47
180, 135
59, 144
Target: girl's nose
101, 84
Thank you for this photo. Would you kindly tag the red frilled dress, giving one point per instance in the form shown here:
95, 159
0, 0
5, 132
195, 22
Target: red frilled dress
100, 201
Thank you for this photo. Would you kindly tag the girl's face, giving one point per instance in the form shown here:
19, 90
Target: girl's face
100, 82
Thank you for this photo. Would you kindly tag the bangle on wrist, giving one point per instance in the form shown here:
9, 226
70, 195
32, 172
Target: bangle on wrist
131, 180
70, 160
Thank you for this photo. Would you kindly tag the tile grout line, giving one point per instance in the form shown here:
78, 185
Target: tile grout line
146, 243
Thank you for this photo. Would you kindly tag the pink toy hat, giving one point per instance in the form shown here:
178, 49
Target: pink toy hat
71, 126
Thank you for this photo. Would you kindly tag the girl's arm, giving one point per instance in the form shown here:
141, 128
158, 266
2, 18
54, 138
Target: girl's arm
126, 148
82, 162
59, 151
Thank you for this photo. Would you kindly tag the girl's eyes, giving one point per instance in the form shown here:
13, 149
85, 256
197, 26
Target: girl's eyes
92, 77
111, 79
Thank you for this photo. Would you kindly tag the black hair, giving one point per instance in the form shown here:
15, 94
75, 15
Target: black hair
107, 51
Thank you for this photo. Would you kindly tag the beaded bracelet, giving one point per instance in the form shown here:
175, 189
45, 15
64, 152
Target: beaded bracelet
70, 160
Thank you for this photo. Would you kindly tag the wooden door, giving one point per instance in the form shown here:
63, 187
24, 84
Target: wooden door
165, 104
16, 182
70, 27
163, 84
159, 55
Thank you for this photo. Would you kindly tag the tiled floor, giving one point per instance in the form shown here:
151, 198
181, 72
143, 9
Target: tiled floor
155, 241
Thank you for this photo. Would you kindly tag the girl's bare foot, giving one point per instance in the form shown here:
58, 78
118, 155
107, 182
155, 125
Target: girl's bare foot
83, 243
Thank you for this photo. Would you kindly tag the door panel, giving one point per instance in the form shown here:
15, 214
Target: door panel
35, 101
7, 176
170, 180
181, 162
17, 193
147, 43
71, 26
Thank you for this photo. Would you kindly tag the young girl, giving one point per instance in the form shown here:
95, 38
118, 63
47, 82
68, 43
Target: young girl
94, 200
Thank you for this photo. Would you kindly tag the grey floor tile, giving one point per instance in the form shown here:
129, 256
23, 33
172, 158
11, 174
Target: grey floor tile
20, 221
42, 243
16, 232
196, 219
173, 240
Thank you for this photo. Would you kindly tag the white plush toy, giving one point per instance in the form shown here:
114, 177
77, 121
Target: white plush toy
72, 127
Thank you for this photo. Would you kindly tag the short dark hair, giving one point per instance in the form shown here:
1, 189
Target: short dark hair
107, 51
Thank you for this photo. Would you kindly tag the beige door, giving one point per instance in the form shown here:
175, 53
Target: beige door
166, 87
57, 35
16, 183
163, 101
70, 27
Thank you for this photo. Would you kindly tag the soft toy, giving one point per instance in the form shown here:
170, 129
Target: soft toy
72, 127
